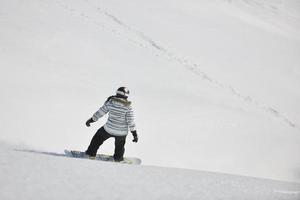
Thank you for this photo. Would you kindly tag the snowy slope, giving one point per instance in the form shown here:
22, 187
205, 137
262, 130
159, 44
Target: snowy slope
215, 84
33, 175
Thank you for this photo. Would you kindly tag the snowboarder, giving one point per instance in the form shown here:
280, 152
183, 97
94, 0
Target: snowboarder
120, 119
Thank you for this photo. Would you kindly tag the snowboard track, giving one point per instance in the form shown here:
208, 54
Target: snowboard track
138, 38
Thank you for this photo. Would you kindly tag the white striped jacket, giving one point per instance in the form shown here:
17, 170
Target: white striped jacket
120, 116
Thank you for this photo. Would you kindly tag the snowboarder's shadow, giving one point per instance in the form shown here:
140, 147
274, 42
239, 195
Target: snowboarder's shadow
41, 152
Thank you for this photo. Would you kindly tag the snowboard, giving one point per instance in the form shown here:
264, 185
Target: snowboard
102, 157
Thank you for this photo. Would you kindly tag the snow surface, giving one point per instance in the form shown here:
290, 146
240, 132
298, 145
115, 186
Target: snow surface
40, 175
214, 83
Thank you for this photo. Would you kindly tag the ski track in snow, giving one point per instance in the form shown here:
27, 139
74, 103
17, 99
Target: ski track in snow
141, 40
41, 152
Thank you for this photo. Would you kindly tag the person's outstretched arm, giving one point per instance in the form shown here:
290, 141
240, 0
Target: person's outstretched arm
101, 112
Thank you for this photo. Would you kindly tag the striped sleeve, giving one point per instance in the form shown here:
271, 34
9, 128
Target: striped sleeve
102, 111
130, 119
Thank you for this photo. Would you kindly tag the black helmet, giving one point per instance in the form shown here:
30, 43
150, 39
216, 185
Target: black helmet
122, 92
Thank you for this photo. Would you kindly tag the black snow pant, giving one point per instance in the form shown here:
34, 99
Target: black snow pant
98, 139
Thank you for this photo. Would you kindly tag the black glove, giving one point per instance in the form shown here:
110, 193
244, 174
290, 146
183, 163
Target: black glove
88, 122
135, 136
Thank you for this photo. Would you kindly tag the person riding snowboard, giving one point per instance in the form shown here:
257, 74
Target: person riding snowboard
120, 119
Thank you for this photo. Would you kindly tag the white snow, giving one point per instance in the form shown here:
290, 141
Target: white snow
214, 83
38, 175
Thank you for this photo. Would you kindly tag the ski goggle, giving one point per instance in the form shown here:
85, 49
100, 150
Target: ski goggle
124, 93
